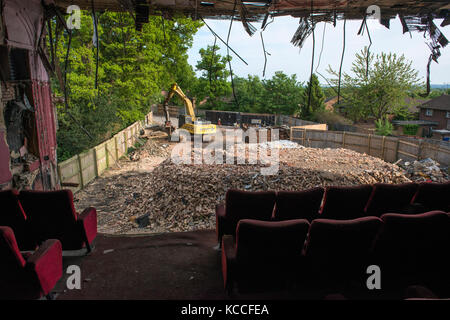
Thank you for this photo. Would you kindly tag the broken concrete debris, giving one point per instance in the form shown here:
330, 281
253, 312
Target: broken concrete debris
426, 170
182, 197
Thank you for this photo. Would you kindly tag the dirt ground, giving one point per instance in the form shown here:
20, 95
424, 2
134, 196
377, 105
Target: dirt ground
182, 197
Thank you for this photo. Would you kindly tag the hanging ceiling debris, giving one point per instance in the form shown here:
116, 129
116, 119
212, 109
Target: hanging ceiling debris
256, 10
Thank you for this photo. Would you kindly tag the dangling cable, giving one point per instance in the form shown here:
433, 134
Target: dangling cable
211, 63
96, 40
340, 67
228, 56
216, 35
164, 28
320, 57
361, 32
312, 58
321, 48
368, 51
265, 54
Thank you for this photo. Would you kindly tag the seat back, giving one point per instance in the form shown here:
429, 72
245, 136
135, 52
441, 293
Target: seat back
11, 261
51, 214
345, 202
413, 249
337, 251
388, 198
298, 204
268, 253
433, 196
13, 216
256, 205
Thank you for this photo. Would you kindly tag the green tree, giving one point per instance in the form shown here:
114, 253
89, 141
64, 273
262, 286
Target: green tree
378, 85
213, 82
133, 69
283, 94
316, 102
250, 93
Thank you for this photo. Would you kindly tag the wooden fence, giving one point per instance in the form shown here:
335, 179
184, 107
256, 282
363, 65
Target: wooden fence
85, 167
389, 149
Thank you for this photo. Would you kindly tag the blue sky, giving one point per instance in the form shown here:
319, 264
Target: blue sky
291, 60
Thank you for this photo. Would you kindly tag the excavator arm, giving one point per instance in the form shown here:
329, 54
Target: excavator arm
175, 89
194, 126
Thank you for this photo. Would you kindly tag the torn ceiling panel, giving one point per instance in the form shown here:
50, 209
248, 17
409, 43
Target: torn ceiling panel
257, 9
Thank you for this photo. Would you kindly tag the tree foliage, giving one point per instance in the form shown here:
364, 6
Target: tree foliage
134, 66
378, 86
316, 99
213, 83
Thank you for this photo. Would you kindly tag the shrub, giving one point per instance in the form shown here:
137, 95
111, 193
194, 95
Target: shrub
410, 129
384, 127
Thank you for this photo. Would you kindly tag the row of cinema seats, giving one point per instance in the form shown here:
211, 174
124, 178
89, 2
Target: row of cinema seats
333, 202
35, 227
332, 256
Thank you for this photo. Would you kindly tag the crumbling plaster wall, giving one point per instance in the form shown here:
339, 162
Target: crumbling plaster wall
20, 27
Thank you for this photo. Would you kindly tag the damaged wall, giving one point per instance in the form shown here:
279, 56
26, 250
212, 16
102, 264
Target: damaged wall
27, 115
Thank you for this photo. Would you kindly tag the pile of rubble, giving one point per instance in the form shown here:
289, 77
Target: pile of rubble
426, 170
182, 197
151, 148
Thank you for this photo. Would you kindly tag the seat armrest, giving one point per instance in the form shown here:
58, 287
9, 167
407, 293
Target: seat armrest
46, 264
220, 210
88, 219
228, 261
220, 221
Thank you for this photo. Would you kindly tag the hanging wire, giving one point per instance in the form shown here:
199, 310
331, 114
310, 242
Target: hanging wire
340, 67
368, 51
228, 56
312, 58
316, 71
211, 63
216, 35
265, 54
164, 28
321, 48
96, 40
365, 26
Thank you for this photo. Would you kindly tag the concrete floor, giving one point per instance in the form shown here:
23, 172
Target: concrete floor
167, 266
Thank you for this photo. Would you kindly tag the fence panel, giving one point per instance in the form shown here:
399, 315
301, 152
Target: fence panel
390, 149
85, 167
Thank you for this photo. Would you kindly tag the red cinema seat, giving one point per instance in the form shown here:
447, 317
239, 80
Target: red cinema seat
12, 215
433, 196
266, 255
298, 204
388, 198
243, 205
345, 202
33, 276
52, 215
337, 252
414, 249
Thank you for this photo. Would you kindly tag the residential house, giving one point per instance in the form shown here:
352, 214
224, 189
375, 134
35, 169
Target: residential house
437, 110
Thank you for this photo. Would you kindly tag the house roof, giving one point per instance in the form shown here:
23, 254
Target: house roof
413, 103
438, 103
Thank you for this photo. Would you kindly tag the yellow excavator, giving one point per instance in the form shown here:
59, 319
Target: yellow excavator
188, 120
